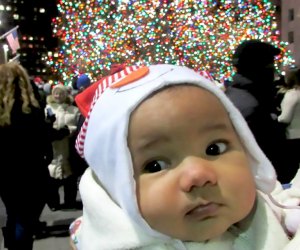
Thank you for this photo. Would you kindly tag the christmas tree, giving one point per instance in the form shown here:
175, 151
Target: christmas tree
200, 34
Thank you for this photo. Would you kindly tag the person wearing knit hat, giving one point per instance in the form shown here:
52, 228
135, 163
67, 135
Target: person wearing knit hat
253, 92
82, 82
172, 165
65, 116
254, 53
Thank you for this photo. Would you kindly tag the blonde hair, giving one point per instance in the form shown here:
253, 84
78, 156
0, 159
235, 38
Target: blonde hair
12, 74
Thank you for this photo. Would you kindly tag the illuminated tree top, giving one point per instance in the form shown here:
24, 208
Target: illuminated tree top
200, 34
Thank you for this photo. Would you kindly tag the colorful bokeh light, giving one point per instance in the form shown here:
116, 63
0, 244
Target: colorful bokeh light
95, 34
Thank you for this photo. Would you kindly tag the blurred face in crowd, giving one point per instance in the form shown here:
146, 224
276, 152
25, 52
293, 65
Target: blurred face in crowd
59, 95
192, 172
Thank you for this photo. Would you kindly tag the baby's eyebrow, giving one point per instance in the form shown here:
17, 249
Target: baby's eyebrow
215, 126
152, 141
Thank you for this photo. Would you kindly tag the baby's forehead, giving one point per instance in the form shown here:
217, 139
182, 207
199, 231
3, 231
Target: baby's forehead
190, 99
178, 103
171, 93
177, 87
173, 90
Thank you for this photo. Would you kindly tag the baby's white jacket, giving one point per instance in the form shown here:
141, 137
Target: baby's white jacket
105, 226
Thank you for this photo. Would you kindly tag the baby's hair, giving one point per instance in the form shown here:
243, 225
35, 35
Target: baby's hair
13, 75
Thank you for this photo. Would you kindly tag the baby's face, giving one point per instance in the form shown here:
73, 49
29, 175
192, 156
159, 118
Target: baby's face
192, 173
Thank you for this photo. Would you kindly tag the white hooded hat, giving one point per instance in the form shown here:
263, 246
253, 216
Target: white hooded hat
103, 139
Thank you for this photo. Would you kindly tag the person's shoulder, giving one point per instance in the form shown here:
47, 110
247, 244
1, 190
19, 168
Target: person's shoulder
293, 94
241, 97
295, 91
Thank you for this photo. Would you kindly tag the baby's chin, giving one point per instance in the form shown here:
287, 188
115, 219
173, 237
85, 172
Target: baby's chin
204, 237
202, 234
217, 231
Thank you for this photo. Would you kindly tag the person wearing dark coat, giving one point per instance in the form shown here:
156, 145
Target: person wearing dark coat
25, 154
253, 93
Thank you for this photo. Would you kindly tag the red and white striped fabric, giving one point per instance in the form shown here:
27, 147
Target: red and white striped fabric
102, 86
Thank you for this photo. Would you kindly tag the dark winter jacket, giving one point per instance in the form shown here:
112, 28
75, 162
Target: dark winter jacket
25, 152
255, 102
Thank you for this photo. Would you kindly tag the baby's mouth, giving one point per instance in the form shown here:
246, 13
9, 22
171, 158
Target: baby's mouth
202, 212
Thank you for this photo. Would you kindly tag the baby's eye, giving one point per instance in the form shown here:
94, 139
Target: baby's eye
216, 148
155, 166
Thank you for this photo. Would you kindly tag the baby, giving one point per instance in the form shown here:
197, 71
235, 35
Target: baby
173, 165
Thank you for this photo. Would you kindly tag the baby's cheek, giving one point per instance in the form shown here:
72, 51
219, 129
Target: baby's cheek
247, 202
150, 203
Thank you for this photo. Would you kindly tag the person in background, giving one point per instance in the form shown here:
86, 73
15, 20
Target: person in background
25, 154
47, 89
78, 164
39, 83
290, 117
174, 166
281, 88
253, 93
82, 82
59, 105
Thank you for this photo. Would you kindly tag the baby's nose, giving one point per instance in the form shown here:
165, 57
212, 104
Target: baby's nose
196, 172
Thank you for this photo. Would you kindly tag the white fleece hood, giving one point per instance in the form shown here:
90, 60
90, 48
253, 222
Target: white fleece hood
103, 138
